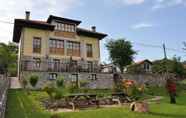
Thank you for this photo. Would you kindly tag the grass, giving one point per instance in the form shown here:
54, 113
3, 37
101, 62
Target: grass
21, 105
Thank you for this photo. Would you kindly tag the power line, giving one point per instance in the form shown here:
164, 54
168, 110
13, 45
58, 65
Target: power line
147, 45
137, 43
7, 22
158, 46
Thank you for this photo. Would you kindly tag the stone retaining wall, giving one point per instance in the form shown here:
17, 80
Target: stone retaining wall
97, 80
151, 79
100, 81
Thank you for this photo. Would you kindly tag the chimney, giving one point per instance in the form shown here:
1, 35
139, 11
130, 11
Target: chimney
93, 28
27, 13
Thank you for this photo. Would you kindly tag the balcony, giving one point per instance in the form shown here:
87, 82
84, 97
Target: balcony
73, 66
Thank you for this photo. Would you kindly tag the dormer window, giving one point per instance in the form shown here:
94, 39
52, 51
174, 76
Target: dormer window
65, 27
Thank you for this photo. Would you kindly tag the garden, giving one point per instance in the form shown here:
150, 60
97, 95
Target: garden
57, 100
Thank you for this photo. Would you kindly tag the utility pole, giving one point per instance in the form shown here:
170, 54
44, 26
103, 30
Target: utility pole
164, 50
165, 59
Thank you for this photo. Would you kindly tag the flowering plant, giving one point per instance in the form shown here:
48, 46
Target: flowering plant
131, 88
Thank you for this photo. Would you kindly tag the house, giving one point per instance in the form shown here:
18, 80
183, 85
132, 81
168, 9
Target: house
144, 66
57, 45
110, 68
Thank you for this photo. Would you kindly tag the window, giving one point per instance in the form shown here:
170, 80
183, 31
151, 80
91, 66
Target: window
90, 66
37, 62
37, 45
56, 46
93, 77
56, 65
89, 50
73, 48
65, 27
52, 76
74, 77
146, 67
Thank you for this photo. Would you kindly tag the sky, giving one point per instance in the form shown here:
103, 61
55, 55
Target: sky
146, 23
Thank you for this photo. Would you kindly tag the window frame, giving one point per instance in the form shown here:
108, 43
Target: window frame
52, 76
56, 46
65, 27
89, 50
37, 62
36, 44
73, 48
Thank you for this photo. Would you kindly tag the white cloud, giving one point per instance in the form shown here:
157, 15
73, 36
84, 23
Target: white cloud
125, 2
132, 2
167, 3
40, 9
142, 26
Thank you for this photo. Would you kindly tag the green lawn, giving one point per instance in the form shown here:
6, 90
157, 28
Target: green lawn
21, 105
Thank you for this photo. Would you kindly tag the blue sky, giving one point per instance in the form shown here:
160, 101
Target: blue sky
141, 21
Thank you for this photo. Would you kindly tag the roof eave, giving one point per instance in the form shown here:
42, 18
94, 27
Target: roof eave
98, 35
51, 17
19, 24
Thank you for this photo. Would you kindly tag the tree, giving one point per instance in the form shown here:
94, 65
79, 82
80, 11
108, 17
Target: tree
178, 67
8, 58
173, 65
121, 52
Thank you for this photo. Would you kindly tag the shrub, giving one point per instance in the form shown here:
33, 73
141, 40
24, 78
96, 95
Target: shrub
83, 83
24, 83
60, 81
33, 80
55, 116
155, 91
136, 93
133, 90
58, 94
50, 90
71, 88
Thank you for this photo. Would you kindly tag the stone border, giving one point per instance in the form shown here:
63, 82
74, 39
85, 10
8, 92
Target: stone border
4, 86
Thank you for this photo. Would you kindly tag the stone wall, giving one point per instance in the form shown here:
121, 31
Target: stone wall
4, 85
151, 79
97, 80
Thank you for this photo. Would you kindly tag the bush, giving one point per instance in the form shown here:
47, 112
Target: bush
55, 116
33, 80
83, 83
24, 83
58, 94
71, 88
156, 91
60, 81
50, 90
136, 93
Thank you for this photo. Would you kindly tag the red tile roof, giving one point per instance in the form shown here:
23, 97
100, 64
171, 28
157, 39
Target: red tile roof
142, 61
46, 25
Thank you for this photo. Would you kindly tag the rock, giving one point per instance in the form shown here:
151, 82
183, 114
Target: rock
139, 107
